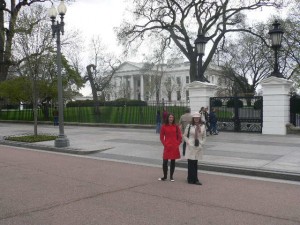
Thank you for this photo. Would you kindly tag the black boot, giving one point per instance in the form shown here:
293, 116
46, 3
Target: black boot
172, 169
165, 170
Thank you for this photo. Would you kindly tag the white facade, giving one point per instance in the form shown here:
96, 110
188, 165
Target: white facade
168, 82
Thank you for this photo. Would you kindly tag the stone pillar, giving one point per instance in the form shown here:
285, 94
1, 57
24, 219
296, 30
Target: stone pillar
199, 93
132, 89
276, 105
142, 88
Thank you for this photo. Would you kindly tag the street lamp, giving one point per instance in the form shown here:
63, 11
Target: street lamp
276, 36
200, 50
57, 28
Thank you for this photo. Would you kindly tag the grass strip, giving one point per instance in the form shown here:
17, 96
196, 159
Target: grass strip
32, 138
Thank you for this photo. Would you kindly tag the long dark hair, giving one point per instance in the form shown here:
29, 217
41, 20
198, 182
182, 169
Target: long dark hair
167, 119
200, 121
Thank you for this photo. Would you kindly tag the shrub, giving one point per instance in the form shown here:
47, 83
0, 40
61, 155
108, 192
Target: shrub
216, 103
231, 103
258, 104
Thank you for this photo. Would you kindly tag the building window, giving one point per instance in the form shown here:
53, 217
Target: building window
213, 79
187, 94
187, 79
178, 95
178, 80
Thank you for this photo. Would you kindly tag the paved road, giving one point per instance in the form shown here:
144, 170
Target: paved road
39, 187
242, 153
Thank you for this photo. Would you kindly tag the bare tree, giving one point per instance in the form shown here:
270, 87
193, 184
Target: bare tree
181, 21
246, 61
104, 68
290, 50
32, 45
9, 13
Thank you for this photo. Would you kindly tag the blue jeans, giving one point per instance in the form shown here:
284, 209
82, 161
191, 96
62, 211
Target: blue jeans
55, 120
158, 125
213, 127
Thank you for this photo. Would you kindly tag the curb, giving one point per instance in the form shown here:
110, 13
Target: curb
49, 148
181, 164
245, 171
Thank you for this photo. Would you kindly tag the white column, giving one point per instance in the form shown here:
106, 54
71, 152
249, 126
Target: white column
276, 105
131, 88
142, 87
200, 93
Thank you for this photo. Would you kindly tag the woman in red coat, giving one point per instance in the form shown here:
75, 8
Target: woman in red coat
170, 137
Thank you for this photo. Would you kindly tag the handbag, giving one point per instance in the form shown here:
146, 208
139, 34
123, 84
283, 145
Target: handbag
197, 142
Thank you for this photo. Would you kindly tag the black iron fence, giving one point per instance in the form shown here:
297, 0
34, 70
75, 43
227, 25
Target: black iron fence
295, 110
106, 114
239, 114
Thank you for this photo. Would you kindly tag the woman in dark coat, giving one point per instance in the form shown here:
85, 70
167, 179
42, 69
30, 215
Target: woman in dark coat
170, 137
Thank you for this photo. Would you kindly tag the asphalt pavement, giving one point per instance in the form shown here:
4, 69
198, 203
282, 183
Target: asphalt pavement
50, 188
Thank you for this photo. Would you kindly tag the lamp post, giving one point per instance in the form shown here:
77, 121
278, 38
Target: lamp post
200, 50
57, 29
276, 36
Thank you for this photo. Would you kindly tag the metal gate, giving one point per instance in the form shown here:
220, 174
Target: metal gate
239, 114
295, 110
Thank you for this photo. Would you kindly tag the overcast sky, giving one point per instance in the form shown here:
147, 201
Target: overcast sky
95, 17
99, 17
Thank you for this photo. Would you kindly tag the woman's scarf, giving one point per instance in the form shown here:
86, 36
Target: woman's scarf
197, 130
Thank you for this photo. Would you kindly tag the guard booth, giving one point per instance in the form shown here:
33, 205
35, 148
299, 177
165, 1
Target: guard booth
238, 114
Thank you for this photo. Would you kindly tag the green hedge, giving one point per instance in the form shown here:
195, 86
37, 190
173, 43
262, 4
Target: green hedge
231, 103
108, 114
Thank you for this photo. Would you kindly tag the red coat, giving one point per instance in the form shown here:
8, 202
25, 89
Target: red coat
170, 137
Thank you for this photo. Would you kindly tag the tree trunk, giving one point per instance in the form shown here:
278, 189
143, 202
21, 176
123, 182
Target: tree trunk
93, 87
193, 68
2, 41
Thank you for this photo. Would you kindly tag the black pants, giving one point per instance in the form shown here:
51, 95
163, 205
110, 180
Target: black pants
183, 148
165, 168
192, 171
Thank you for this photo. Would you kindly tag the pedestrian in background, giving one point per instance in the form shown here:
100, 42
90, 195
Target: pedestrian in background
170, 137
55, 116
184, 120
206, 115
165, 114
158, 121
194, 136
213, 122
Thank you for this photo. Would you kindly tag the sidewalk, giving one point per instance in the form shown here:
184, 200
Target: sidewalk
240, 153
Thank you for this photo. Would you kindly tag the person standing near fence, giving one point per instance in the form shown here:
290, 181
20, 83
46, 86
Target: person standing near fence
184, 120
170, 137
194, 135
213, 122
206, 115
158, 122
165, 114
55, 116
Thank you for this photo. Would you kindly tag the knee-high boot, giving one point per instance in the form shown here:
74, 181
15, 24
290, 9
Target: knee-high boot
172, 168
165, 168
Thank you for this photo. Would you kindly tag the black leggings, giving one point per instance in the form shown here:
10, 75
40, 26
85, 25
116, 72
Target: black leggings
165, 168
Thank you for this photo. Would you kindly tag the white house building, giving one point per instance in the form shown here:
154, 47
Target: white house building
167, 82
